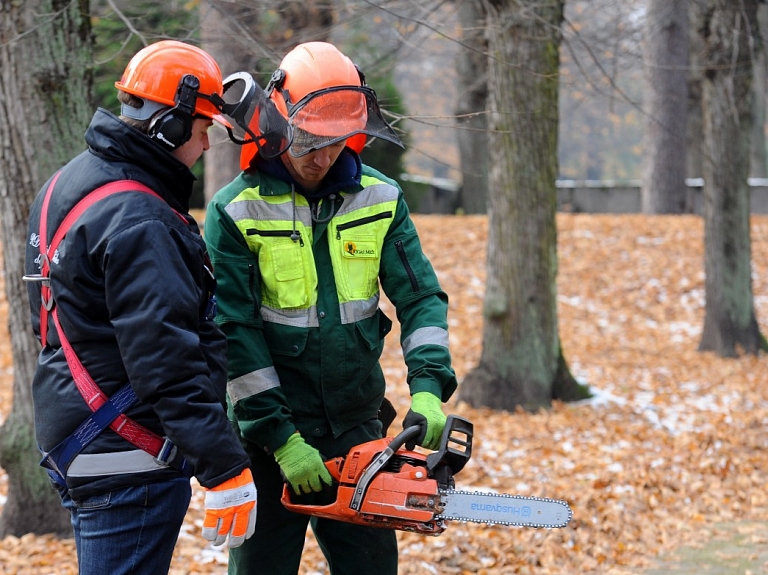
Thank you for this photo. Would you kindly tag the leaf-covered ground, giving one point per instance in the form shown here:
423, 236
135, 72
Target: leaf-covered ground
670, 452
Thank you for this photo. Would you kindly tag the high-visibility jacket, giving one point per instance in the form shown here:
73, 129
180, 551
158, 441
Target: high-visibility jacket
298, 295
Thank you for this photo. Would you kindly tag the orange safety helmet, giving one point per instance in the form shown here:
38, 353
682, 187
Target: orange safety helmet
155, 73
323, 96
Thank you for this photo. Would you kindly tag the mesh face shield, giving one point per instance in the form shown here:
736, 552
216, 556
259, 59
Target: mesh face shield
332, 115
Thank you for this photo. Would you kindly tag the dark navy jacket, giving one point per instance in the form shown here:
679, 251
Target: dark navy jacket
131, 291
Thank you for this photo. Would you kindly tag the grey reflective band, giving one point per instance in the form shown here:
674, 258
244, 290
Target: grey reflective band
295, 317
350, 312
148, 110
370, 196
354, 311
425, 336
95, 464
252, 383
260, 210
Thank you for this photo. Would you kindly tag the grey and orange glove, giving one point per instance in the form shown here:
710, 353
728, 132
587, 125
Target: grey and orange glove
230, 511
427, 412
302, 465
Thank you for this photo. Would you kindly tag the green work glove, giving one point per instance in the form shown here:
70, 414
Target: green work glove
302, 465
427, 412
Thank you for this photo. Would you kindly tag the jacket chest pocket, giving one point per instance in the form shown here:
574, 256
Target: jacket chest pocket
360, 257
358, 254
283, 270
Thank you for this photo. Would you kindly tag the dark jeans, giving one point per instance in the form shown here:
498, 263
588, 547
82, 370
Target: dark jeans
129, 531
277, 544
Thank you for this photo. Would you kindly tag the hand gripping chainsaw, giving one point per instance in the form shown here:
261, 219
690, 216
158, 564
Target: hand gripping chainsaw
383, 484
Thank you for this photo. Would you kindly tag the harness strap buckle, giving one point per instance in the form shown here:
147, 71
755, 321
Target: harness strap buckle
46, 296
166, 454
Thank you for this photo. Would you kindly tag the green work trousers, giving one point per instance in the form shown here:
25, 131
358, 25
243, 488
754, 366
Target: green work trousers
277, 544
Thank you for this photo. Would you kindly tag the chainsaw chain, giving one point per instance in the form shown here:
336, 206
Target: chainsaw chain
506, 523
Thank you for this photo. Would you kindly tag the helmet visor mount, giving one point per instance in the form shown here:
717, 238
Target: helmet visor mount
332, 115
241, 102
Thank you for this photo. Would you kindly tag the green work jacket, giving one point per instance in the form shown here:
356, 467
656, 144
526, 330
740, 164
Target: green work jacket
298, 294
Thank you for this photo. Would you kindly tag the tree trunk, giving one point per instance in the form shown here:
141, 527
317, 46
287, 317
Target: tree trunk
758, 163
234, 53
695, 125
45, 73
471, 109
521, 363
666, 60
731, 42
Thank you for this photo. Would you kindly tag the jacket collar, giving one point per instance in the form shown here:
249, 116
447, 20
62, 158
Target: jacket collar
344, 175
114, 140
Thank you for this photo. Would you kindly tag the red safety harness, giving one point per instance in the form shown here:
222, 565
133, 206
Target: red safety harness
60, 457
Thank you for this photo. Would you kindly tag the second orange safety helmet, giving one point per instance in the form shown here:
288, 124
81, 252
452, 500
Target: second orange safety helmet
155, 72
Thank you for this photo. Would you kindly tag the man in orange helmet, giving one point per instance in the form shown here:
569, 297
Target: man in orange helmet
301, 244
133, 365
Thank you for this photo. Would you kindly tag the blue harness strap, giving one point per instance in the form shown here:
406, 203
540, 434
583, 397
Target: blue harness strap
60, 457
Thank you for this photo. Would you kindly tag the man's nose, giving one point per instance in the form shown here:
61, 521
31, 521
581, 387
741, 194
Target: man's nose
323, 157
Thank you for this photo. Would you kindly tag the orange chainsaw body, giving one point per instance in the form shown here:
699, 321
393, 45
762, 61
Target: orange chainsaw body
382, 484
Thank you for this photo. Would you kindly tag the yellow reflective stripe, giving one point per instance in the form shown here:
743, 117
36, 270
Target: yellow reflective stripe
293, 317
353, 311
252, 383
425, 336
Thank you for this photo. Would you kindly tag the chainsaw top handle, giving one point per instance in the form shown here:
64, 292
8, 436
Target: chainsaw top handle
402, 438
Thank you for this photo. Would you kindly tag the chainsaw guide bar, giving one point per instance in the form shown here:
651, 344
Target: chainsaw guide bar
502, 509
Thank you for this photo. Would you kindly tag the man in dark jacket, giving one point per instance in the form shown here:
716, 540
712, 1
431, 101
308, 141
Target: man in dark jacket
123, 307
302, 244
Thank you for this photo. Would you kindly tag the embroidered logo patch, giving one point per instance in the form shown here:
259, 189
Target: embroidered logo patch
359, 249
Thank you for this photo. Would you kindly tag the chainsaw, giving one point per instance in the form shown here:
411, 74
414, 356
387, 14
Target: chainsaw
381, 483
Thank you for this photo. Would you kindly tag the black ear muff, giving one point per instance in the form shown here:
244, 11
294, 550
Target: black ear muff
173, 127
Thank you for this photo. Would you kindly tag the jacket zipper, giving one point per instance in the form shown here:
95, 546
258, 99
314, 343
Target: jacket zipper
408, 270
252, 288
275, 234
361, 222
